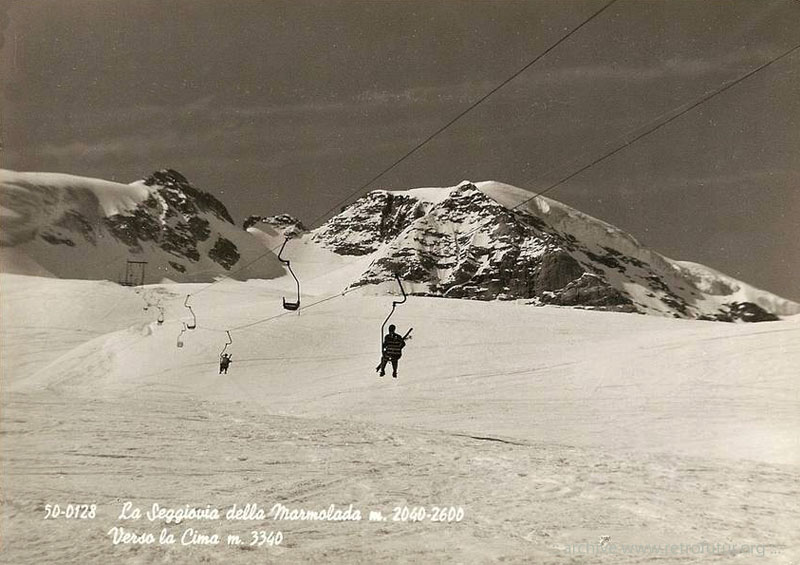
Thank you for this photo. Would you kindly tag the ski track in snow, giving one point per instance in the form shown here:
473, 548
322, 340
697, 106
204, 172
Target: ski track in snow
549, 426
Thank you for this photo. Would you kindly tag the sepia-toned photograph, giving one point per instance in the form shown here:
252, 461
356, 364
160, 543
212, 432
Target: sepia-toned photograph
399, 281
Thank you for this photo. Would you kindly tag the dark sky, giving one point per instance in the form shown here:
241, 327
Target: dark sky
289, 106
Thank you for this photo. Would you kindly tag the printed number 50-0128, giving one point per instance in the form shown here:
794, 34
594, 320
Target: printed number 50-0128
70, 511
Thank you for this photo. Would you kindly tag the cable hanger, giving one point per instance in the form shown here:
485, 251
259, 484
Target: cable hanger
230, 342
395, 304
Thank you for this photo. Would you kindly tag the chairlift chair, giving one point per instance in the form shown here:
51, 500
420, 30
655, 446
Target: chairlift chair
193, 324
180, 335
289, 305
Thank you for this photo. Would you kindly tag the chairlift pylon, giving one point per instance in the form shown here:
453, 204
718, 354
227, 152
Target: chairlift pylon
289, 305
395, 303
193, 324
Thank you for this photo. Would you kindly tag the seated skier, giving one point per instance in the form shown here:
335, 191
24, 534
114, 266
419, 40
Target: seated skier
393, 345
224, 363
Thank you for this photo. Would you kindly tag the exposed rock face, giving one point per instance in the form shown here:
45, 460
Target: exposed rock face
590, 290
367, 224
287, 225
494, 257
743, 311
556, 271
224, 252
183, 198
465, 246
172, 218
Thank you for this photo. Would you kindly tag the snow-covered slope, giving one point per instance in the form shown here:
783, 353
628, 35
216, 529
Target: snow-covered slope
548, 426
483, 241
638, 383
77, 227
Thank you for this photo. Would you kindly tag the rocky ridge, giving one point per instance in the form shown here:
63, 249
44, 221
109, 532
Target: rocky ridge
78, 227
462, 243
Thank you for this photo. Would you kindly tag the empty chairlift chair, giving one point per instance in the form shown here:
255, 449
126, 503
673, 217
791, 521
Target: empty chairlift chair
289, 305
180, 336
193, 324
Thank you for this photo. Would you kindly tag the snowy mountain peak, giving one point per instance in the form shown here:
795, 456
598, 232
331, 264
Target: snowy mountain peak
181, 195
76, 227
167, 178
486, 241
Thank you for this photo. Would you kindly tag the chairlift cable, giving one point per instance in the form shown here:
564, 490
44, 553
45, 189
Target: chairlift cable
625, 144
430, 138
660, 125
464, 112
270, 318
629, 138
